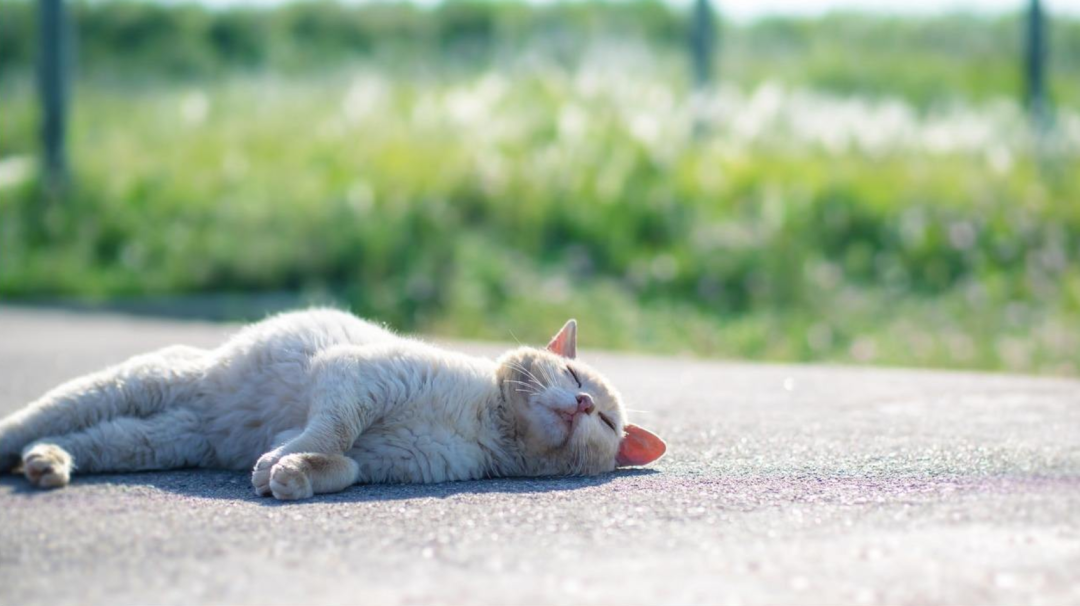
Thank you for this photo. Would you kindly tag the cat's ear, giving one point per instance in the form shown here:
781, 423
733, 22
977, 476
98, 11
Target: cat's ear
565, 342
639, 447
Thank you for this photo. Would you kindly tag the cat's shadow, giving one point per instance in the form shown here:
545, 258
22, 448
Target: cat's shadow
236, 486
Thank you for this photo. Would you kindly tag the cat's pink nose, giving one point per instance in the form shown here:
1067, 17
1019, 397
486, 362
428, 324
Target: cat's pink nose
585, 403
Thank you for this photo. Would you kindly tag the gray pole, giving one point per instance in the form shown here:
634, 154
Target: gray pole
1035, 64
702, 42
54, 43
702, 45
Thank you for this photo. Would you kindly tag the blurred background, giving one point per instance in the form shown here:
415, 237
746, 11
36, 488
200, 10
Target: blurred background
871, 182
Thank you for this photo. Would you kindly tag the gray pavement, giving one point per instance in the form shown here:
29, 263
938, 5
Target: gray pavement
804, 484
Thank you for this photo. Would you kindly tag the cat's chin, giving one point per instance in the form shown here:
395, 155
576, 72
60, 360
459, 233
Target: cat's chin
551, 427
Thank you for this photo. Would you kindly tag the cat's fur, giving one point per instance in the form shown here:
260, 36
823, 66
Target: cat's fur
319, 400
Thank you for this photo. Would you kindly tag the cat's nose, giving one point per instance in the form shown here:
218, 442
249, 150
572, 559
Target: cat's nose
585, 403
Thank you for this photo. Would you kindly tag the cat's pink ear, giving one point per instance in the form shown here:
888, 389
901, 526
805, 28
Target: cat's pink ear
565, 343
639, 447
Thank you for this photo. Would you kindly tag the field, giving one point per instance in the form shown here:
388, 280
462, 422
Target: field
791, 212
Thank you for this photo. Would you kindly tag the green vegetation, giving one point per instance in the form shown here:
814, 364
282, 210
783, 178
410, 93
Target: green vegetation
474, 197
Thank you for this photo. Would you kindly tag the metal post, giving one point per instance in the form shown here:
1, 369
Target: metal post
1035, 64
702, 43
54, 41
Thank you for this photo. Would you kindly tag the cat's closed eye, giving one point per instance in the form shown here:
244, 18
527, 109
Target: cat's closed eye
574, 374
608, 421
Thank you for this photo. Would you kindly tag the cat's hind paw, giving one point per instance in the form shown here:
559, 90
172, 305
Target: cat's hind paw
289, 479
47, 466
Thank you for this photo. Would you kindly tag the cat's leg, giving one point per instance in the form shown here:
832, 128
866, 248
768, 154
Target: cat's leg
301, 475
168, 440
138, 387
351, 388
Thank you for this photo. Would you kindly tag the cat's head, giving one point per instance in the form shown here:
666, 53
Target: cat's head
569, 419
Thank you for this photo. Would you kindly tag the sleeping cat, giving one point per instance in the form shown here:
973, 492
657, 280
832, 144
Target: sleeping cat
319, 400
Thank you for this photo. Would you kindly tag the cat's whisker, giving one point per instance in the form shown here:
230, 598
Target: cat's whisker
539, 386
581, 458
521, 367
518, 367
551, 374
528, 388
531, 376
547, 373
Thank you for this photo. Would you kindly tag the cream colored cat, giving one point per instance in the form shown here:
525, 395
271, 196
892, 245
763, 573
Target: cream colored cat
319, 400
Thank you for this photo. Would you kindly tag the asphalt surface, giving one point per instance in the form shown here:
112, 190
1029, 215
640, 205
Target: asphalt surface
782, 484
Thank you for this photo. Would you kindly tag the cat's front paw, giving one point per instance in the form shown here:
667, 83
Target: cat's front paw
260, 476
289, 479
47, 466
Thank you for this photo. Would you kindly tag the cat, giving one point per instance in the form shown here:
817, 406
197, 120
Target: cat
318, 400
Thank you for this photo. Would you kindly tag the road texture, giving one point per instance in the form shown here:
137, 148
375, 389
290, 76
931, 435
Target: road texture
783, 484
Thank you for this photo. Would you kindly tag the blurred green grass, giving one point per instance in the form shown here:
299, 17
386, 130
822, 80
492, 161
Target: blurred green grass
496, 201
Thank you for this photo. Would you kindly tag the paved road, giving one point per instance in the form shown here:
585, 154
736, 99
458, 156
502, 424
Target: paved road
783, 484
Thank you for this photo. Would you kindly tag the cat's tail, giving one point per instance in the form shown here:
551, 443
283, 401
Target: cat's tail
139, 387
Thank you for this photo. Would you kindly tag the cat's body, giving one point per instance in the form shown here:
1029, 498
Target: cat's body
319, 400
